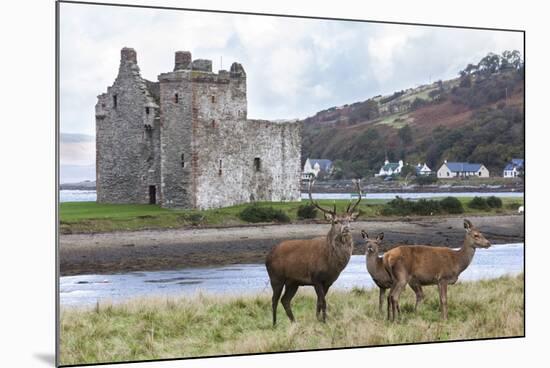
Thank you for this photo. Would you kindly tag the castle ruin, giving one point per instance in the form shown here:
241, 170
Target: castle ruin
185, 141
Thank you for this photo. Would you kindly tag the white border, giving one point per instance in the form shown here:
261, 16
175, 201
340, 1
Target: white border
27, 185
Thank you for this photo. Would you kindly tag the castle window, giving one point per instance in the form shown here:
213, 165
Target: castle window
257, 164
114, 101
213, 123
176, 98
182, 160
147, 110
220, 169
213, 99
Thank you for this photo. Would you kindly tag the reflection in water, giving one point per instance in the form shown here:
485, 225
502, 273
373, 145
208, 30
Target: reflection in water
496, 261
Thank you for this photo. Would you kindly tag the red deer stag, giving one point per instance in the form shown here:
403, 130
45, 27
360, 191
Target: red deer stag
317, 262
426, 265
379, 275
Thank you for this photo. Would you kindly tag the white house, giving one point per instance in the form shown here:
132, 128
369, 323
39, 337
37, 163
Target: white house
390, 168
423, 170
462, 169
513, 168
313, 167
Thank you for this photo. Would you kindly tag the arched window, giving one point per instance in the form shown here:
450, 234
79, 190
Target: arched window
176, 98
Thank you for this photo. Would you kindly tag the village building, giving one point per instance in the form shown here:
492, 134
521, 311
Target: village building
514, 168
423, 170
462, 170
314, 168
185, 140
390, 168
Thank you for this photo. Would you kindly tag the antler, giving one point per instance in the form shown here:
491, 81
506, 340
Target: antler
358, 185
316, 205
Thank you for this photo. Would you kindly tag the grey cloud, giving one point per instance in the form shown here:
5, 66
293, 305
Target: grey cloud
295, 67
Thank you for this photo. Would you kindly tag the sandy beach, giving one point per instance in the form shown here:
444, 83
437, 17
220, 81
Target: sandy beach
180, 248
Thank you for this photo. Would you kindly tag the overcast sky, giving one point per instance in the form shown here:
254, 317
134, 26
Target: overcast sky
295, 67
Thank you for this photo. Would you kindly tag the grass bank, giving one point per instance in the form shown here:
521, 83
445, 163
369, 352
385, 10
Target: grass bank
208, 325
92, 217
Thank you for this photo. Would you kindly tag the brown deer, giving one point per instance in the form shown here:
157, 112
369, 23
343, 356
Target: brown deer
426, 265
317, 262
380, 276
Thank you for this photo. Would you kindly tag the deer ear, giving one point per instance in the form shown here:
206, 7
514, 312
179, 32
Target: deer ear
380, 236
354, 216
328, 217
364, 234
467, 225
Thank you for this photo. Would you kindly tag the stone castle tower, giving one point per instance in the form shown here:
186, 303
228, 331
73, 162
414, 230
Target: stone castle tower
185, 141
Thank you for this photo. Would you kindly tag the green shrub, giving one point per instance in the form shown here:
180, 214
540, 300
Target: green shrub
478, 203
451, 205
397, 207
426, 207
307, 211
404, 207
256, 213
513, 205
195, 218
494, 202
425, 179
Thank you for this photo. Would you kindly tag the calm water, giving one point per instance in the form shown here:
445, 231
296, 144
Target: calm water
412, 195
77, 196
90, 195
501, 259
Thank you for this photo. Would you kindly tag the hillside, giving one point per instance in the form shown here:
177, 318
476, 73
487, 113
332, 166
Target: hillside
476, 117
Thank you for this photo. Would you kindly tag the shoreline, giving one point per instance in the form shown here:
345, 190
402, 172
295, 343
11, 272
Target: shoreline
151, 250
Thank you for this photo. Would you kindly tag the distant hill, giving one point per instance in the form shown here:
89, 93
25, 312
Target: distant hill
476, 117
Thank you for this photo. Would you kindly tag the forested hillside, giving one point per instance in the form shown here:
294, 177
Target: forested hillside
476, 117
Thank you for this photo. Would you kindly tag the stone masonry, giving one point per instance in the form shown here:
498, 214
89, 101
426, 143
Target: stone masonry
185, 141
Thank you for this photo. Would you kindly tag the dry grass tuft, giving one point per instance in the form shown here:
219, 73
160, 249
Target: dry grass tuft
209, 325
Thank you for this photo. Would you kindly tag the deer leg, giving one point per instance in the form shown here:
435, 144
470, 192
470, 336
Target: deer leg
381, 299
443, 298
397, 288
321, 302
277, 290
290, 291
389, 303
326, 286
417, 288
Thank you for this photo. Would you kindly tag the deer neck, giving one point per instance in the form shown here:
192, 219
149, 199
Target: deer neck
372, 260
465, 254
340, 247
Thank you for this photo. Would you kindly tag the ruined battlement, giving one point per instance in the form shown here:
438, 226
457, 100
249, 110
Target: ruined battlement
200, 71
184, 141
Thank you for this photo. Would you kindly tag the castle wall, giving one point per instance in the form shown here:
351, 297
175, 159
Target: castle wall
127, 138
227, 145
208, 109
198, 149
241, 179
177, 158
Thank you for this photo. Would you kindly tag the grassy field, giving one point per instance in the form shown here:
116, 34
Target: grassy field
90, 217
208, 325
